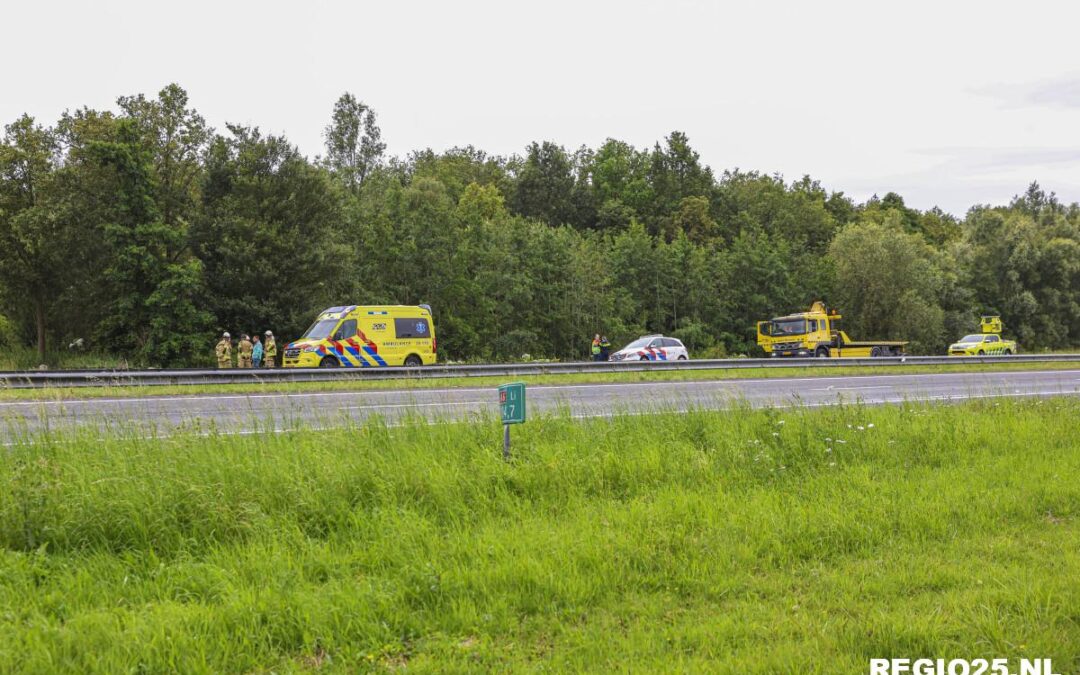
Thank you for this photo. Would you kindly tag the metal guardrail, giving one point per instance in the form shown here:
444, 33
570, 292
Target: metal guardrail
124, 378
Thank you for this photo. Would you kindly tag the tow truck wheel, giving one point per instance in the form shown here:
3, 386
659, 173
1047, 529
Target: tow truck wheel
329, 362
1008, 352
413, 361
980, 353
875, 352
822, 352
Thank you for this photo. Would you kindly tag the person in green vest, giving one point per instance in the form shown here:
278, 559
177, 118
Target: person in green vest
605, 348
595, 349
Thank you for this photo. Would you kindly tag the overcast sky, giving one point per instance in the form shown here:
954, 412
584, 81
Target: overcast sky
947, 103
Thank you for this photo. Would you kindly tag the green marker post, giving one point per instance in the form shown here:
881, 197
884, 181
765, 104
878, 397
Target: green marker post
512, 405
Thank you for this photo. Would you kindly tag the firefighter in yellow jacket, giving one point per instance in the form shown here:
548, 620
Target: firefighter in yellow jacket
223, 351
243, 352
269, 350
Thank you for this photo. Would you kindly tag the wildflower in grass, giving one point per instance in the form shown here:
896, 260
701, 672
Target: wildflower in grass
840, 440
870, 426
832, 463
828, 449
780, 422
861, 428
775, 433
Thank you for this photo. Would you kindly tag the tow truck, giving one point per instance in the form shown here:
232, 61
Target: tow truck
817, 333
988, 342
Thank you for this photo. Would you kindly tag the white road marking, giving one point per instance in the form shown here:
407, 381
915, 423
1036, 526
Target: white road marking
416, 405
419, 391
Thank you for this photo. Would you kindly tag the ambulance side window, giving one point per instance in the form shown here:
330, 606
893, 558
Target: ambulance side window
412, 328
346, 330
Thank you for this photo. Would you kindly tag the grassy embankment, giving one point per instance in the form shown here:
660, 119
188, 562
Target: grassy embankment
65, 393
747, 541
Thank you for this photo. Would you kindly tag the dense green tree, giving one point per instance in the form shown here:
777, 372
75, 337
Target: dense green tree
798, 214
153, 285
757, 280
176, 137
270, 235
33, 246
889, 283
354, 146
545, 185
1026, 269
674, 173
619, 172
458, 168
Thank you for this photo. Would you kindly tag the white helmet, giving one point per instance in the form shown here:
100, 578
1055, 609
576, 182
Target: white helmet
226, 334
269, 334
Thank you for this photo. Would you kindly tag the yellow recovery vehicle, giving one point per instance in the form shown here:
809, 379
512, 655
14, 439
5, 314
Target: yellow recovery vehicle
989, 342
817, 333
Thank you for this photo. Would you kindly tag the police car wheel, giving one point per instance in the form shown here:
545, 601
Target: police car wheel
329, 362
413, 361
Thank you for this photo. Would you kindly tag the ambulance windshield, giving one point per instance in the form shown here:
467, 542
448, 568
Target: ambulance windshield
320, 330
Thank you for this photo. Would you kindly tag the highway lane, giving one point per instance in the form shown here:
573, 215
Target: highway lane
242, 413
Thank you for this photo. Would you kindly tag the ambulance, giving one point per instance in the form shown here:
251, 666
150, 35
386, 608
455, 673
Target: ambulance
365, 336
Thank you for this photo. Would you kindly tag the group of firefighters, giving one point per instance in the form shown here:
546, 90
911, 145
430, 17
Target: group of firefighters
249, 353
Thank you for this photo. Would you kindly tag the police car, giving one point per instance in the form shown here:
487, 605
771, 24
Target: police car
652, 348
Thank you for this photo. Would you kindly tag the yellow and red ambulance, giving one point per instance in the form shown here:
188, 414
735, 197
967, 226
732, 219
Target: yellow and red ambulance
365, 336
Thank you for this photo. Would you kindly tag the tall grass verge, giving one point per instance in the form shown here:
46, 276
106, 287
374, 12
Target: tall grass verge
742, 541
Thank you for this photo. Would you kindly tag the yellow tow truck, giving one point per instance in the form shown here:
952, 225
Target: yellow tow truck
817, 333
988, 342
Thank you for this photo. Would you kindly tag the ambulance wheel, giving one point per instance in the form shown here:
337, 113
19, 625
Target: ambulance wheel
875, 352
413, 361
329, 362
681, 358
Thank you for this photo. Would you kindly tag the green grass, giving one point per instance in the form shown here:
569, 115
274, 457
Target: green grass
18, 357
65, 393
742, 542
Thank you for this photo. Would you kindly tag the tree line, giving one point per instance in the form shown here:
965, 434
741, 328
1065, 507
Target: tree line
146, 233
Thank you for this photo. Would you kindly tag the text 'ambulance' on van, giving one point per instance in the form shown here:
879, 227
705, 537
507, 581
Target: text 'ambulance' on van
359, 336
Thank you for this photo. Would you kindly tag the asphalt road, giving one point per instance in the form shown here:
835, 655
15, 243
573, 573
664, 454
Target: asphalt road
246, 413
